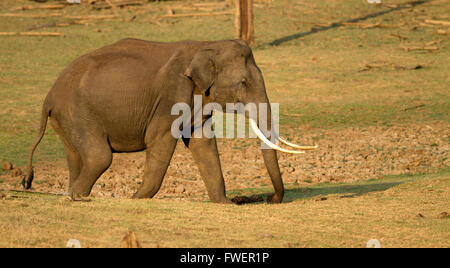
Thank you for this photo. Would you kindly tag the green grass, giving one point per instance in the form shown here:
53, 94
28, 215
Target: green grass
343, 215
315, 76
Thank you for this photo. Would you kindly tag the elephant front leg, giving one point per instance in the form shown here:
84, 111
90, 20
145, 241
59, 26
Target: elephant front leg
206, 156
271, 161
159, 153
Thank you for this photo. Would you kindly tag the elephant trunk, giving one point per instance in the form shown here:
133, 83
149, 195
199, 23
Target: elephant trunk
271, 162
269, 154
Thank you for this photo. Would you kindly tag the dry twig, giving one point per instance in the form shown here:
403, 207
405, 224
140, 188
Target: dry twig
412, 48
29, 7
116, 4
54, 34
438, 22
198, 14
20, 15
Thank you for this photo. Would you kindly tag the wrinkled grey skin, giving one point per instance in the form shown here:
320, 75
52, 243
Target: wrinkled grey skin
119, 99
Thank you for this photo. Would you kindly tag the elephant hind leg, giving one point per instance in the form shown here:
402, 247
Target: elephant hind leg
96, 157
73, 157
74, 163
87, 149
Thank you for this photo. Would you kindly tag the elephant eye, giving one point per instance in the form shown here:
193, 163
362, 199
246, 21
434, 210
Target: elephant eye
244, 82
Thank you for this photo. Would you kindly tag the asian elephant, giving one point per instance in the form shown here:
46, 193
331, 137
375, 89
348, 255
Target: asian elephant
119, 99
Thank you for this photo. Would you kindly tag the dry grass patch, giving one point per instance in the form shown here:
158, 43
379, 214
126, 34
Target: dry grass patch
348, 215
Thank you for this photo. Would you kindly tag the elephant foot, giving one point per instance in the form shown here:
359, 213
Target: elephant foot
81, 199
145, 193
240, 200
138, 195
77, 198
221, 200
274, 199
226, 201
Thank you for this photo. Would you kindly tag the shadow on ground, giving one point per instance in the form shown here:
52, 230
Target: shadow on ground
282, 40
317, 191
346, 191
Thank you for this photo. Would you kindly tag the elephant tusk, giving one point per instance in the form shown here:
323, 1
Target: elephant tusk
297, 146
263, 138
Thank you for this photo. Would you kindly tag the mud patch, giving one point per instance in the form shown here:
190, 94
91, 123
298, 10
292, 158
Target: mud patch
345, 155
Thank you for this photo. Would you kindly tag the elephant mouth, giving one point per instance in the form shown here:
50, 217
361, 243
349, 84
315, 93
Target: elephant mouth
263, 138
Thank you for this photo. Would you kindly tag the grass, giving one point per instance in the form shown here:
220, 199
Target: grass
348, 216
317, 74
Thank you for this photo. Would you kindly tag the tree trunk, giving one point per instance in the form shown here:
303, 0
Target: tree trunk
244, 20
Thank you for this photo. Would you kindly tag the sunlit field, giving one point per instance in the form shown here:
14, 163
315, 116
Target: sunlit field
369, 84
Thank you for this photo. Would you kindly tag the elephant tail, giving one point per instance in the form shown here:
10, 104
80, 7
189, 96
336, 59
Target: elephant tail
28, 178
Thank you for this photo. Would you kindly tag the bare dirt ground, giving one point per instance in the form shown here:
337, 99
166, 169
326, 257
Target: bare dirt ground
345, 155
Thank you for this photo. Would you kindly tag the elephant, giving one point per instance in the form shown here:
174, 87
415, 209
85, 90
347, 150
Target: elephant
118, 99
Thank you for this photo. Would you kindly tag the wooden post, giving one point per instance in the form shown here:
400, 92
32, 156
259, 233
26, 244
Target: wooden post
244, 20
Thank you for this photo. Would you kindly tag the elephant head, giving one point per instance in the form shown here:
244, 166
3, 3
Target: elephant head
227, 73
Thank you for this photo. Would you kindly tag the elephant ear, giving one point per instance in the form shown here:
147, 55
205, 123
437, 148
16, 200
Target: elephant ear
202, 69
